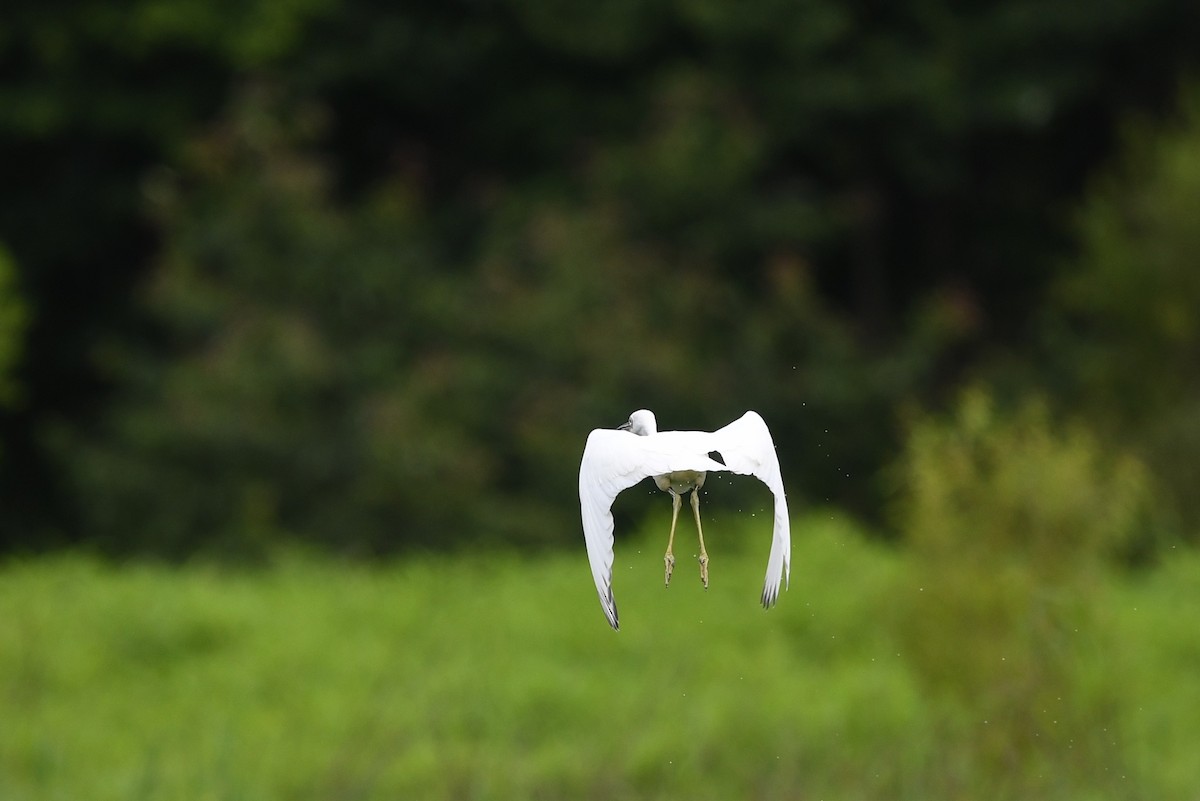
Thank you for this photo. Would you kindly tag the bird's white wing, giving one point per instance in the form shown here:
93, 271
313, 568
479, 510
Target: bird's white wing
613, 461
746, 447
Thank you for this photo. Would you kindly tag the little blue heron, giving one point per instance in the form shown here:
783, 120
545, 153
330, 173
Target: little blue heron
679, 461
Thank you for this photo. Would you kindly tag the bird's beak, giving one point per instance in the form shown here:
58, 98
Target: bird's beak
625, 426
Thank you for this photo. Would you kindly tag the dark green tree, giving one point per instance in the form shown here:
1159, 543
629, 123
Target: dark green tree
1127, 325
337, 373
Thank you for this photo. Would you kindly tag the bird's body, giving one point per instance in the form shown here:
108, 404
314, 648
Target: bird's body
681, 481
678, 461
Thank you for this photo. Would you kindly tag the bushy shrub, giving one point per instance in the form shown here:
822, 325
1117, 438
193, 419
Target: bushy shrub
1010, 519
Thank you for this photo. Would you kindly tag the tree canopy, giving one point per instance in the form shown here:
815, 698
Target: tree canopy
365, 274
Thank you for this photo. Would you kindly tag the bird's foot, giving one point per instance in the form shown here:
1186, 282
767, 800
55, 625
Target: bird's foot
704, 569
669, 561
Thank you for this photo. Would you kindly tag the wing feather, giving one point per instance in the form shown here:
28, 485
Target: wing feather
747, 448
616, 460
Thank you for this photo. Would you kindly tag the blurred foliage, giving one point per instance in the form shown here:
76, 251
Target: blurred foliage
13, 320
273, 400
1128, 325
487, 676
270, 243
332, 372
1009, 519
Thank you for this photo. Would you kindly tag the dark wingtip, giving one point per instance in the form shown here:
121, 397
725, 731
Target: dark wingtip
610, 612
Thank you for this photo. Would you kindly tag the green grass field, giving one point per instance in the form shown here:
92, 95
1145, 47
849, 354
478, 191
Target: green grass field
494, 677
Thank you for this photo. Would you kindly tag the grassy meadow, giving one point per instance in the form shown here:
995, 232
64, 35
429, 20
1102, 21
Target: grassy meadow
495, 676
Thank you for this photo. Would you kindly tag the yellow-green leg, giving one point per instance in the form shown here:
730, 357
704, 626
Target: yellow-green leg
669, 559
700, 531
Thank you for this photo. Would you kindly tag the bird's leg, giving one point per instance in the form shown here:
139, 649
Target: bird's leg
700, 531
669, 559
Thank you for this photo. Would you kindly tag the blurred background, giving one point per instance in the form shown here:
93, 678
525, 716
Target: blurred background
355, 279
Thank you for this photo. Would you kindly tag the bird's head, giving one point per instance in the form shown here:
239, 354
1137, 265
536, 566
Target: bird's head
641, 422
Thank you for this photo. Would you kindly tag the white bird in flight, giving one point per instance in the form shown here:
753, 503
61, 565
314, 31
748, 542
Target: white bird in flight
614, 460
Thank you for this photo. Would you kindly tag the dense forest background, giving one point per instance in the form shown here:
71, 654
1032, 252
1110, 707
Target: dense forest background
363, 275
